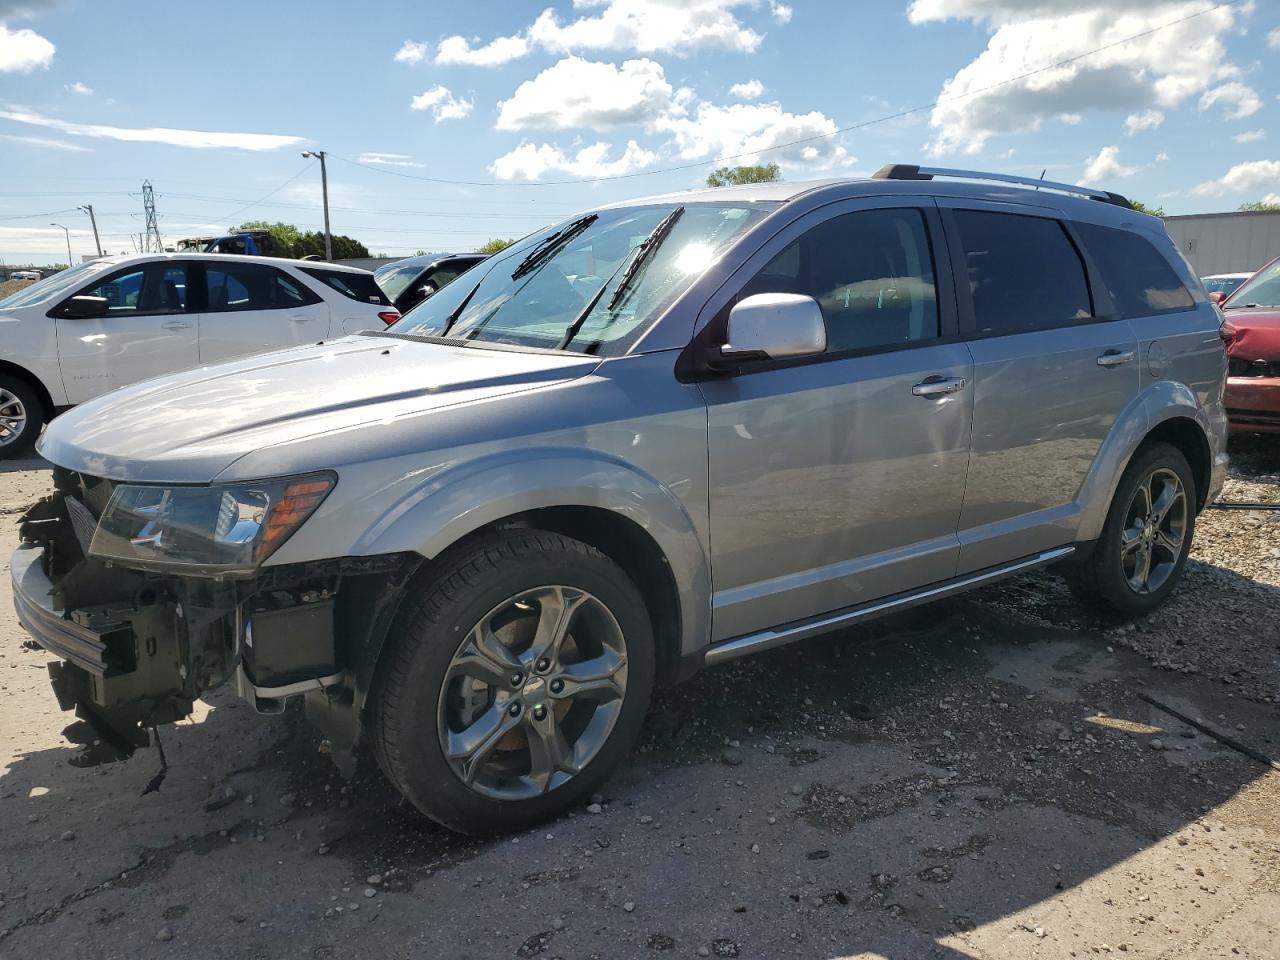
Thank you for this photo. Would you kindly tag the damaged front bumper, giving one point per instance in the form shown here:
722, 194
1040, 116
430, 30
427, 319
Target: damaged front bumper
136, 648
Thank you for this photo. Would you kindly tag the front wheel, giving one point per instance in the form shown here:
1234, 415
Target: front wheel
21, 416
1139, 558
516, 682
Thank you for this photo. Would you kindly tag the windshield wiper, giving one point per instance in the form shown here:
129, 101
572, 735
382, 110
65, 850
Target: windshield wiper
647, 246
450, 320
629, 269
550, 244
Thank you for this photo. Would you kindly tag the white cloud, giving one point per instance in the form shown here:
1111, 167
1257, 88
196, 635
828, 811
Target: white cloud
781, 12
583, 93
1146, 120
749, 90
1240, 99
1161, 157
1154, 69
649, 26
1104, 165
1273, 39
22, 51
196, 139
412, 51
388, 159
78, 88
442, 104
495, 52
1250, 136
46, 142
529, 162
745, 130
1242, 177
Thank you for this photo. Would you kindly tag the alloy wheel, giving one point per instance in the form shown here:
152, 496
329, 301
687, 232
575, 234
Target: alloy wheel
1154, 531
533, 693
13, 417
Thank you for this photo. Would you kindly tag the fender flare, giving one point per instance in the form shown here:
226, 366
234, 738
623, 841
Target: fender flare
469, 496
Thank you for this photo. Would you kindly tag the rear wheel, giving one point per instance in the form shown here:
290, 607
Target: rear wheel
21, 416
517, 682
1140, 556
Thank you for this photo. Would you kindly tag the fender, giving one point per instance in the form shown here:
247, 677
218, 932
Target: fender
464, 498
1155, 404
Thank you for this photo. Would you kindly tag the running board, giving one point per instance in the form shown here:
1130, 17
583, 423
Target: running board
777, 636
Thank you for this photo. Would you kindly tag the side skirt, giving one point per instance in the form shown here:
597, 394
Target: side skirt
787, 633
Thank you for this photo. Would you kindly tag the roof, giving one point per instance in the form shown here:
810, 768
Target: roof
233, 257
426, 259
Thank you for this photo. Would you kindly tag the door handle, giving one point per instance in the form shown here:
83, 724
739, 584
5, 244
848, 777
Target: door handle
301, 317
177, 324
1114, 358
939, 386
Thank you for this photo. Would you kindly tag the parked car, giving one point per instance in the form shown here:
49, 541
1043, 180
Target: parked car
24, 275
1252, 394
1219, 286
656, 437
408, 282
117, 320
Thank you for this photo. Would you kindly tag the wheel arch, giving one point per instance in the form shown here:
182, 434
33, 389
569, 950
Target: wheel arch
34, 382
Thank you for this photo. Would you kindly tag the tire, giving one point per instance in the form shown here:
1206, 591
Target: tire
1113, 570
437, 687
20, 404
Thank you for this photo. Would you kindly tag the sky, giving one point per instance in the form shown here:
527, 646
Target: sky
449, 124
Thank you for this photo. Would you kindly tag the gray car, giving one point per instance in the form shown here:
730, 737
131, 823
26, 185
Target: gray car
656, 437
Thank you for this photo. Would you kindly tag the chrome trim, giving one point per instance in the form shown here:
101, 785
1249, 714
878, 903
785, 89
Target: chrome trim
1115, 359
778, 636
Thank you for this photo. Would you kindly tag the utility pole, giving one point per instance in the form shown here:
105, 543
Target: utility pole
149, 213
88, 208
68, 233
324, 190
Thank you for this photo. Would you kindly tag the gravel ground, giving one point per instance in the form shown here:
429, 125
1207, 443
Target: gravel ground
979, 779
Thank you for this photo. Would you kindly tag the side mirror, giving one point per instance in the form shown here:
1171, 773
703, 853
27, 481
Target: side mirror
1217, 297
84, 307
773, 326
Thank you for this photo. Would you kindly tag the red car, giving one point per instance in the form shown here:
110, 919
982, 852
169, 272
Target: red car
1253, 352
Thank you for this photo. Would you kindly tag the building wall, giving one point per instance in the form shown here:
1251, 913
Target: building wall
1227, 242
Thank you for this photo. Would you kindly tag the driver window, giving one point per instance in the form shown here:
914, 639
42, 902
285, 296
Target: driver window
151, 289
871, 273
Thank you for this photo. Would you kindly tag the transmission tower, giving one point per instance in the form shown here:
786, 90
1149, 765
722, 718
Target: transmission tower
152, 242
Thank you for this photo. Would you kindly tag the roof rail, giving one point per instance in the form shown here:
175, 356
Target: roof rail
910, 171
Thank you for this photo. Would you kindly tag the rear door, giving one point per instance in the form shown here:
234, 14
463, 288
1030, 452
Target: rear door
250, 308
148, 330
1054, 366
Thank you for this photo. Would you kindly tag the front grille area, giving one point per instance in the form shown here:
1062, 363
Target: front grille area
1253, 368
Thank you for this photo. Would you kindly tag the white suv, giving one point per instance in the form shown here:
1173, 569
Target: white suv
114, 321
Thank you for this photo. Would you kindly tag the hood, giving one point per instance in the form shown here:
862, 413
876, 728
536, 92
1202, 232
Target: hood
189, 427
1258, 333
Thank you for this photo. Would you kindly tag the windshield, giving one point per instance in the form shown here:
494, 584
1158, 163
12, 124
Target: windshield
394, 279
1222, 284
53, 286
568, 295
1261, 290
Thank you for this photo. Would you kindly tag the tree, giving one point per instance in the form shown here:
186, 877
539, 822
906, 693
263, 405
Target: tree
1259, 206
724, 176
494, 245
1143, 208
295, 243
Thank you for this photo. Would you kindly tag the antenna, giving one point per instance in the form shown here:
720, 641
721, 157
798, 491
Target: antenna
152, 241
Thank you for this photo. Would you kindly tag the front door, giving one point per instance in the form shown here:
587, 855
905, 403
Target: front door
1054, 367
251, 308
838, 480
148, 330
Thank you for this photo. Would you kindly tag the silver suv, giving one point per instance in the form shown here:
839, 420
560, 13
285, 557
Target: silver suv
659, 436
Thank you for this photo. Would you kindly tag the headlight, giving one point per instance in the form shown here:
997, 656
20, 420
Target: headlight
224, 528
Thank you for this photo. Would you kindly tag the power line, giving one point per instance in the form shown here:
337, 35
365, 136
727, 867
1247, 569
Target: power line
32, 216
1067, 61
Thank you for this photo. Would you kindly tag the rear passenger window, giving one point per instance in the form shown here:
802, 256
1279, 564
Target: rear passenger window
871, 273
252, 286
353, 286
1024, 273
1141, 281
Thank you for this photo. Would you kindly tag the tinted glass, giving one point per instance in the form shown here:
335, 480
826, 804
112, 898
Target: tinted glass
1261, 290
1024, 272
1139, 278
154, 288
55, 285
353, 286
250, 286
871, 272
